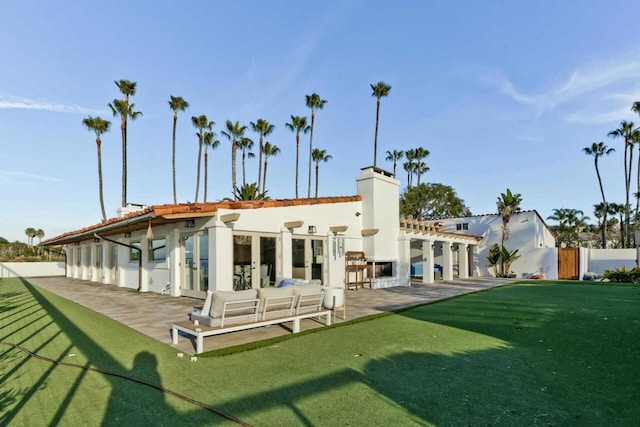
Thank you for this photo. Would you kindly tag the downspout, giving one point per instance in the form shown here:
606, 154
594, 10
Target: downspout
130, 247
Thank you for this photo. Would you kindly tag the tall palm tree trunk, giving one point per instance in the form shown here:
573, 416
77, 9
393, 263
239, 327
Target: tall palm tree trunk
394, 167
628, 206
206, 172
375, 144
244, 180
233, 164
173, 157
605, 208
198, 170
638, 184
297, 159
261, 149
100, 188
264, 176
317, 173
313, 119
123, 129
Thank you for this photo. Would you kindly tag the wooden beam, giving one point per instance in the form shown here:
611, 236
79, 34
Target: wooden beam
338, 228
230, 217
293, 224
369, 232
189, 215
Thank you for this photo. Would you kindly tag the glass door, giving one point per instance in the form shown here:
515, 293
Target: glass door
254, 261
112, 264
195, 265
307, 258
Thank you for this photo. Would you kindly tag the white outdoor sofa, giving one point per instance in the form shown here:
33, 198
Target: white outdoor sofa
230, 311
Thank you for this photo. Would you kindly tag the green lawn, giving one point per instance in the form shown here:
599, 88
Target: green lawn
526, 354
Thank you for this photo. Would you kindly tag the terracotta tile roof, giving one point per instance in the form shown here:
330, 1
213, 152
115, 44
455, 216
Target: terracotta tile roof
139, 219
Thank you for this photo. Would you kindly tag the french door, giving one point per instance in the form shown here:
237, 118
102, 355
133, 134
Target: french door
195, 265
254, 261
307, 258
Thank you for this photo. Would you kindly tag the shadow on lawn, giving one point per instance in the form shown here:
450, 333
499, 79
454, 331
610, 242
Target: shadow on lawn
128, 402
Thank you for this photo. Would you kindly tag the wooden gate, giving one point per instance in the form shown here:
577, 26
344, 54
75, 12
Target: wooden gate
568, 263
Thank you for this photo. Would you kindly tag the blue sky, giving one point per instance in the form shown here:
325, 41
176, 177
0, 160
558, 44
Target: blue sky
504, 94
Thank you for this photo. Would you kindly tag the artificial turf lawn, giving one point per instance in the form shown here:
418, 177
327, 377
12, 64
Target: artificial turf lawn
525, 354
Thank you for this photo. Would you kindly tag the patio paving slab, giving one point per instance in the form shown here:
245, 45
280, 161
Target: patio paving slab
153, 314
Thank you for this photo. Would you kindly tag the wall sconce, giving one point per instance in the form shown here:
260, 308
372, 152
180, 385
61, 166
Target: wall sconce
190, 223
358, 214
127, 234
312, 229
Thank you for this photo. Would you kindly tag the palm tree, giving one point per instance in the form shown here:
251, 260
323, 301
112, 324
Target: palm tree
507, 203
421, 167
39, 234
234, 132
394, 156
208, 141
245, 144
269, 150
203, 125
298, 124
410, 165
630, 135
176, 103
249, 192
618, 209
126, 111
319, 156
380, 89
263, 128
598, 150
314, 102
31, 233
99, 126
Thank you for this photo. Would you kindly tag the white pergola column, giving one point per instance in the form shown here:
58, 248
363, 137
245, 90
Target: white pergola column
175, 256
427, 262
447, 261
403, 266
144, 275
463, 261
86, 263
286, 253
473, 254
70, 261
220, 257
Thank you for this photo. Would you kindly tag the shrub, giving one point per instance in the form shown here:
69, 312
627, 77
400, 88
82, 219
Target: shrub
623, 275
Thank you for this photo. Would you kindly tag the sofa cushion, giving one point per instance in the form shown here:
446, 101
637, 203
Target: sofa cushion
220, 297
307, 289
264, 293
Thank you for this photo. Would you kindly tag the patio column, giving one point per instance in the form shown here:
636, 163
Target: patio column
286, 254
447, 261
175, 254
473, 260
144, 265
86, 263
220, 257
463, 261
403, 266
428, 262
70, 261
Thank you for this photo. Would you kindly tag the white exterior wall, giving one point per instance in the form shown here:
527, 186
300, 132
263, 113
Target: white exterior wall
527, 233
31, 269
599, 260
380, 210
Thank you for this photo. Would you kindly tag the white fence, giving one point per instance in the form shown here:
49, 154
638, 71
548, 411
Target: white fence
599, 260
31, 269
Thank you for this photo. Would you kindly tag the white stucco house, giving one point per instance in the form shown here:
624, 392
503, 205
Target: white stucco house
527, 232
187, 249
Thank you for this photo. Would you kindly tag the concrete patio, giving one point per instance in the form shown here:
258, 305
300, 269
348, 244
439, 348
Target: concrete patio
153, 314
